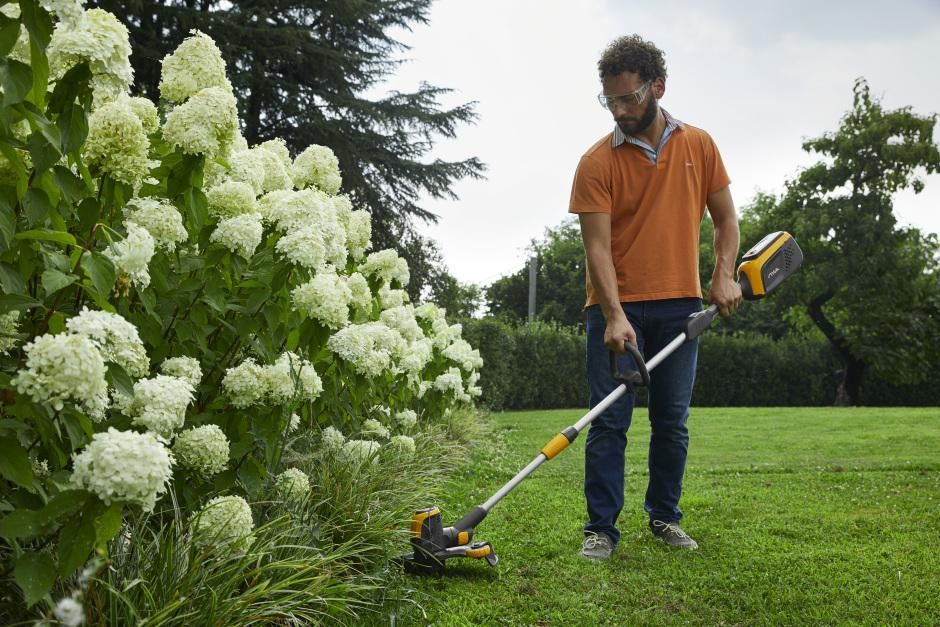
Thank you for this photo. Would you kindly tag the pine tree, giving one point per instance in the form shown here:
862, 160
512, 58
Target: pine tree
300, 69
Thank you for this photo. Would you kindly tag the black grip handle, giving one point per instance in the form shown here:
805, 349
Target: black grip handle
630, 378
696, 324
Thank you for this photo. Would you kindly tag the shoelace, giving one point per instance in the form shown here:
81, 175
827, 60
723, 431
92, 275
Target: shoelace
594, 540
665, 527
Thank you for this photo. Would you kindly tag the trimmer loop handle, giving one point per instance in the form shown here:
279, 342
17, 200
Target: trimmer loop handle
630, 378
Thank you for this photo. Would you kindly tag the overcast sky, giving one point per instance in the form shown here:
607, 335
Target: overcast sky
758, 75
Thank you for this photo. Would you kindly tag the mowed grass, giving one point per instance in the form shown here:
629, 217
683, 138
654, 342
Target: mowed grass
804, 516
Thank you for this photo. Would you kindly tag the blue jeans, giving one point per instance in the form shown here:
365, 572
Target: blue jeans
656, 324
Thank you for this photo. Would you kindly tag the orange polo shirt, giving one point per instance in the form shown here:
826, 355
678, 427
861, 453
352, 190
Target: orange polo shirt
656, 210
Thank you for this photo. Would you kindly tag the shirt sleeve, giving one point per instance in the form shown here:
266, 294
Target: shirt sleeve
717, 175
590, 192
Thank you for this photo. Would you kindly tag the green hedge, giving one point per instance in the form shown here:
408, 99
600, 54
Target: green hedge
541, 366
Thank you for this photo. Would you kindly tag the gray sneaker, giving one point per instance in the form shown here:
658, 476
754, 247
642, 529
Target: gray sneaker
673, 535
597, 546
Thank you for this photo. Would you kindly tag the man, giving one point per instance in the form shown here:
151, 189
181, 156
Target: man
641, 194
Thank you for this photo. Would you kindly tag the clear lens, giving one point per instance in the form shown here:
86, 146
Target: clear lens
633, 98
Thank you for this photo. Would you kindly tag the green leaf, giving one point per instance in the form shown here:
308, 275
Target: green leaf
49, 236
53, 281
34, 573
120, 379
39, 63
73, 127
44, 154
74, 84
88, 212
72, 186
10, 280
9, 302
16, 79
7, 221
101, 272
108, 524
37, 22
57, 323
14, 462
12, 156
23, 523
76, 542
9, 33
63, 505
37, 206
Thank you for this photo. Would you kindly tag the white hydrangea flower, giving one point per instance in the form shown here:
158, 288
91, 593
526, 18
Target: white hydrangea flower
360, 451
224, 521
390, 298
241, 234
402, 319
450, 381
430, 313
231, 198
292, 485
314, 235
326, 297
146, 112
63, 368
244, 384
304, 247
116, 339
204, 124
332, 439
124, 466
69, 12
292, 210
117, 143
417, 357
132, 255
386, 265
423, 387
375, 429
444, 335
403, 444
293, 424
9, 327
69, 612
276, 175
248, 166
318, 166
342, 207
474, 391
278, 147
280, 384
360, 295
406, 419
370, 348
462, 353
204, 450
186, 368
40, 467
99, 38
161, 219
195, 65
359, 233
160, 403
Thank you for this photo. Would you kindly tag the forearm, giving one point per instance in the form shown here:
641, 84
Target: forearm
603, 277
727, 243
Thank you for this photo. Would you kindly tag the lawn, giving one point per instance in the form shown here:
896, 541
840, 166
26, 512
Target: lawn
804, 516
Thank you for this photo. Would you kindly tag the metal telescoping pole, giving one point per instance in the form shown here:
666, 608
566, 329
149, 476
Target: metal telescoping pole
581, 424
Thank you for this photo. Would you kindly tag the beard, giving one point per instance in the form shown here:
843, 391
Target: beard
632, 126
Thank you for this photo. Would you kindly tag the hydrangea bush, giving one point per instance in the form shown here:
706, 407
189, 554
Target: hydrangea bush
178, 305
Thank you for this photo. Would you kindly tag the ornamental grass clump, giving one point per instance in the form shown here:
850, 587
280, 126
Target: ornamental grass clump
204, 450
124, 466
224, 521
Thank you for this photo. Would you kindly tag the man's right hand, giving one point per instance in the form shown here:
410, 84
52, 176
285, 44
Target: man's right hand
618, 331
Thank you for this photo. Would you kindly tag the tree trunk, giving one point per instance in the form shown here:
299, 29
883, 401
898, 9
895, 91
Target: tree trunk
849, 387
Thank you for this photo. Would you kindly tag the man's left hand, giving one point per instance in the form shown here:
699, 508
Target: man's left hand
726, 293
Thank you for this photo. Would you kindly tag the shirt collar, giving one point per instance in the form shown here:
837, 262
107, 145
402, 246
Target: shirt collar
671, 124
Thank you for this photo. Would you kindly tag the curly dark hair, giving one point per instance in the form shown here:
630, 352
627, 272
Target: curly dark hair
632, 54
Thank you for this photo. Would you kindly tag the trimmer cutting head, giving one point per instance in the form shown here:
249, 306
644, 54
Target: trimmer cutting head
433, 544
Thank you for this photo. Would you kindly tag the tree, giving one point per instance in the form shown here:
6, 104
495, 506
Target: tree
300, 69
560, 280
870, 286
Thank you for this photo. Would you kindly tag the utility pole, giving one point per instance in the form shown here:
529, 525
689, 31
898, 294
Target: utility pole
533, 271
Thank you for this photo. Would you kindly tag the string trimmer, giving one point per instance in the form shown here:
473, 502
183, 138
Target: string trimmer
763, 268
